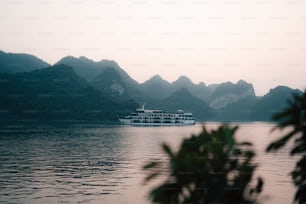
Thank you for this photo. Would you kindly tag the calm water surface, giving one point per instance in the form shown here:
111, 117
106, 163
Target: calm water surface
102, 164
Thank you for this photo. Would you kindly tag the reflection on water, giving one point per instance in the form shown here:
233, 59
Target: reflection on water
102, 164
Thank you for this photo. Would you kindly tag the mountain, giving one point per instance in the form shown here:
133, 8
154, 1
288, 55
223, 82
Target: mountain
156, 88
106, 76
217, 95
13, 63
182, 82
111, 83
228, 93
198, 90
90, 69
83, 66
241, 110
227, 101
273, 102
182, 99
251, 108
56, 93
80, 88
212, 87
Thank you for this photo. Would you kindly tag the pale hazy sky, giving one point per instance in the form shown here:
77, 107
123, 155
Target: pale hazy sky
262, 42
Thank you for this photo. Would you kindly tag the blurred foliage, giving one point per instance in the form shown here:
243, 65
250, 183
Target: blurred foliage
211, 167
294, 117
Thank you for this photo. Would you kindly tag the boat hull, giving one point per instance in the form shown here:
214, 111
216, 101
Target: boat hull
128, 122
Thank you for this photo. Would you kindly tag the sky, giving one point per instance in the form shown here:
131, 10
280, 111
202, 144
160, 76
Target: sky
262, 42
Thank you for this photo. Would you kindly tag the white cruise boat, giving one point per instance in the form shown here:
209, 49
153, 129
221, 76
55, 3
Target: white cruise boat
145, 117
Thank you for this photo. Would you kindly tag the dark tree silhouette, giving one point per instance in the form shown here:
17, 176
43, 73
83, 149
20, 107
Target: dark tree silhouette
210, 167
293, 117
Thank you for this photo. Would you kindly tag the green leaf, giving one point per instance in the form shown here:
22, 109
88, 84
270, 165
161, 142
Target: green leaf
245, 144
151, 165
259, 186
151, 176
167, 149
207, 168
281, 142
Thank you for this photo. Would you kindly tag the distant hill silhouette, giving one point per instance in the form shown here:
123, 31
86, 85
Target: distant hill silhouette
228, 93
106, 76
83, 66
13, 63
241, 110
80, 88
156, 88
90, 69
56, 93
111, 82
198, 90
273, 102
183, 100
252, 108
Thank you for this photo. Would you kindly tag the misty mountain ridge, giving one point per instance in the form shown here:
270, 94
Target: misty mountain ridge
182, 99
15, 62
90, 69
56, 93
92, 86
274, 101
156, 88
228, 93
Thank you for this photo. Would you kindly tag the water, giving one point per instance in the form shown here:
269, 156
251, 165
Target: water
102, 164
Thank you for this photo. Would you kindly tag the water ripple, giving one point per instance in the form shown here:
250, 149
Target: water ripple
102, 164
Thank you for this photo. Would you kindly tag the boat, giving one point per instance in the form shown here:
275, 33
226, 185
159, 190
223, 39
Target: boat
146, 117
